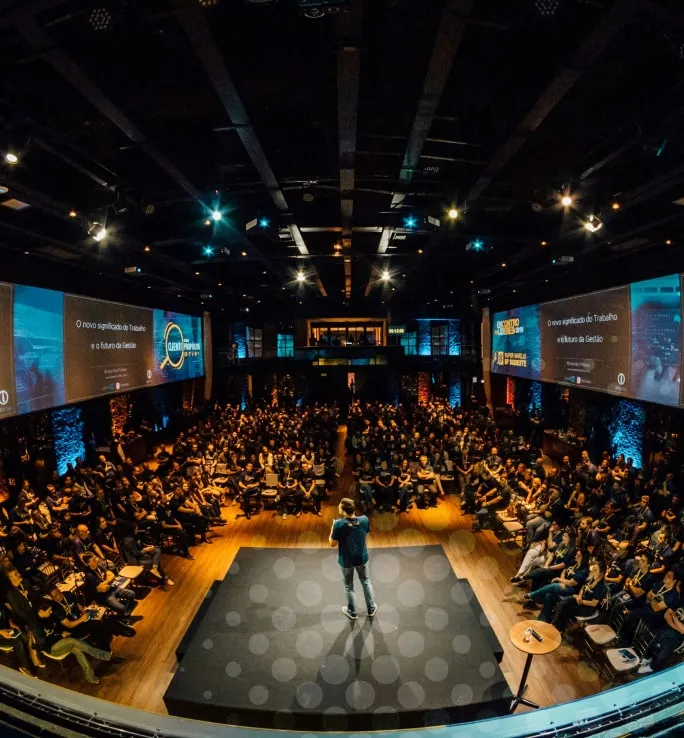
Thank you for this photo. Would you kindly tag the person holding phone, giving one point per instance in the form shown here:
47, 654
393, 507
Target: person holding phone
349, 533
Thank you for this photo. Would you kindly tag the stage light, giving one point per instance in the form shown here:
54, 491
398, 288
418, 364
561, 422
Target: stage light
453, 214
668, 242
100, 19
208, 250
73, 214
385, 276
11, 158
592, 224
216, 215
420, 251
264, 222
566, 201
220, 284
301, 278
544, 243
207, 222
100, 232
147, 249
615, 206
243, 253
409, 222
503, 265
197, 274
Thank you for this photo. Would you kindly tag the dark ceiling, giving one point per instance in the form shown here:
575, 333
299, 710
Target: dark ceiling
336, 130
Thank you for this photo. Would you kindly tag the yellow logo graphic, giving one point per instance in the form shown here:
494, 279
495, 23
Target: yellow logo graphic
177, 346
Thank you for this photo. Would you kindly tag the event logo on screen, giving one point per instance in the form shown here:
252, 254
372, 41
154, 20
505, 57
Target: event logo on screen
516, 342
177, 347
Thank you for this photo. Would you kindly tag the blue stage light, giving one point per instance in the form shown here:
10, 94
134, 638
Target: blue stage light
409, 222
216, 215
208, 250
478, 245
264, 222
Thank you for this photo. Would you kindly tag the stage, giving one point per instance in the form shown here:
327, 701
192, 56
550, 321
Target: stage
273, 648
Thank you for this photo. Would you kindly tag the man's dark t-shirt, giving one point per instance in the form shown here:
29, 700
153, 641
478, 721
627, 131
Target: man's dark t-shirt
350, 533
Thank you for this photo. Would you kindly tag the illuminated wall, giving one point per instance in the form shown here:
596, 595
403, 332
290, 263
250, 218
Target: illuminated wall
627, 430
240, 338
535, 397
67, 432
455, 390
510, 391
455, 337
423, 387
424, 338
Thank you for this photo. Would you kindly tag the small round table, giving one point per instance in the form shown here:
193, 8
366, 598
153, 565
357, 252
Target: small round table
551, 639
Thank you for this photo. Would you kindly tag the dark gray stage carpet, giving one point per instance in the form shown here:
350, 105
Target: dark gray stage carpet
275, 650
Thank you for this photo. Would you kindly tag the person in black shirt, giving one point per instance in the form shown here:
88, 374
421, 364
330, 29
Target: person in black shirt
249, 489
137, 552
584, 602
385, 481
290, 496
98, 587
405, 486
83, 623
307, 485
11, 636
170, 526
189, 515
53, 642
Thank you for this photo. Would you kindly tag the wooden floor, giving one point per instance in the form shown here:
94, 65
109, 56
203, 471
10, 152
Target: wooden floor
141, 680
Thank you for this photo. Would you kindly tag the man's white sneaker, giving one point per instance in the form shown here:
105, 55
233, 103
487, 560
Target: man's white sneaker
348, 614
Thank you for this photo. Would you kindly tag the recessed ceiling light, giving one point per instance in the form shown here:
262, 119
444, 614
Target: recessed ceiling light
3, 190
73, 214
420, 251
244, 253
544, 243
147, 249
566, 201
11, 158
668, 242
197, 274
615, 206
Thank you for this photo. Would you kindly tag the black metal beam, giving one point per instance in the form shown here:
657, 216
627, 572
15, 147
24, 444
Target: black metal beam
197, 29
590, 50
349, 30
453, 23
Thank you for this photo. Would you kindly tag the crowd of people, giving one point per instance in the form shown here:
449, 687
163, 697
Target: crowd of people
597, 535
62, 546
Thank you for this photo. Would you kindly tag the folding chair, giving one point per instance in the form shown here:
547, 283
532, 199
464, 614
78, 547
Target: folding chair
599, 635
621, 661
269, 494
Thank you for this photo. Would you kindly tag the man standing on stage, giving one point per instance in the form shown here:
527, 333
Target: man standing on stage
350, 533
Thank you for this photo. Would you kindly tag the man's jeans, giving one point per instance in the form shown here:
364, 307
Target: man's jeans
79, 649
348, 577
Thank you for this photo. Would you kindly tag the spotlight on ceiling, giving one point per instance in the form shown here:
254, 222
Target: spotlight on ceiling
475, 245
216, 215
547, 8
592, 224
264, 222
409, 222
73, 214
301, 277
615, 205
208, 250
452, 213
99, 232
385, 276
566, 200
207, 3
11, 158
100, 19
4, 189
